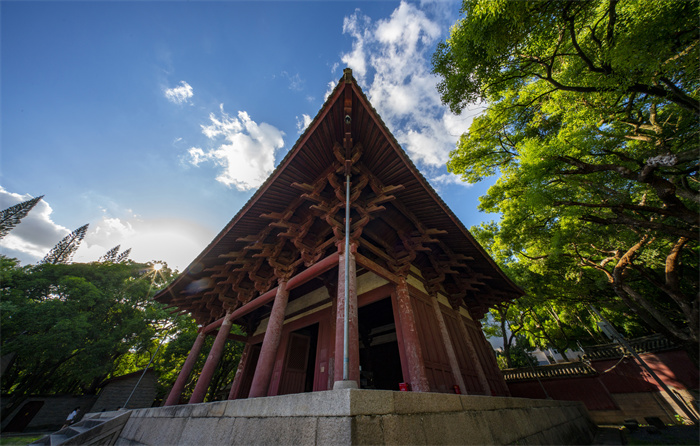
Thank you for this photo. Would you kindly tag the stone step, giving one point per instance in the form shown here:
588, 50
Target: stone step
76, 430
69, 432
56, 439
91, 423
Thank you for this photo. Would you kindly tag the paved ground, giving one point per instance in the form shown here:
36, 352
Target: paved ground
648, 435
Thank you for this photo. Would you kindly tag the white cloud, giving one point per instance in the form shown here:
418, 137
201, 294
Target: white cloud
391, 60
244, 151
180, 94
447, 179
303, 123
174, 241
36, 233
329, 89
295, 81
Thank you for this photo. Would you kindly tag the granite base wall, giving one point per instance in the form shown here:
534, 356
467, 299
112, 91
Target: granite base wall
352, 416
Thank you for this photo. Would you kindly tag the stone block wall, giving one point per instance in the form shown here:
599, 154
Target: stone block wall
352, 416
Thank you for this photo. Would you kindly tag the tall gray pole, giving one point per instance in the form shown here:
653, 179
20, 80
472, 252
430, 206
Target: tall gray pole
618, 337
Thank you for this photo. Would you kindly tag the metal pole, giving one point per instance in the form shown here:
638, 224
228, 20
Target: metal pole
346, 309
618, 337
146, 369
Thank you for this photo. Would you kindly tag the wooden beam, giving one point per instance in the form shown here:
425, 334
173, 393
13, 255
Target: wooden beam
301, 278
377, 269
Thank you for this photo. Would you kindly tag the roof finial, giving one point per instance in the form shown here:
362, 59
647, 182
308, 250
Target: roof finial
347, 75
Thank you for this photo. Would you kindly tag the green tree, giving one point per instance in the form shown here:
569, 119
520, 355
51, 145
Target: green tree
111, 255
124, 256
64, 250
69, 324
173, 352
10, 217
592, 129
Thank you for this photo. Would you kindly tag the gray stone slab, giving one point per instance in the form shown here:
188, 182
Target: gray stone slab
403, 429
367, 429
183, 410
327, 403
476, 429
129, 428
213, 409
165, 412
207, 431
144, 429
274, 431
163, 431
334, 431
124, 442
480, 402
508, 425
372, 402
414, 402
447, 428
539, 418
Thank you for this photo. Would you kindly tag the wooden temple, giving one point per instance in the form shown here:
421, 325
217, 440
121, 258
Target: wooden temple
417, 281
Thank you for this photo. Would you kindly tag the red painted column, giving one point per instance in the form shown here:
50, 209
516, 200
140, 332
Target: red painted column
212, 361
239, 371
449, 348
414, 355
353, 335
176, 391
474, 356
271, 341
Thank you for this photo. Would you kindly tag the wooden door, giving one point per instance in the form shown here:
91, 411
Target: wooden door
437, 365
296, 364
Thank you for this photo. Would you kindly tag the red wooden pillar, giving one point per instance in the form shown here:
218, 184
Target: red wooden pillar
474, 356
353, 335
212, 361
414, 355
240, 371
176, 391
449, 348
271, 341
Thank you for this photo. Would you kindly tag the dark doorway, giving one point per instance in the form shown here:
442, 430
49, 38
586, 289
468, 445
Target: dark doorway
249, 371
380, 363
24, 416
299, 361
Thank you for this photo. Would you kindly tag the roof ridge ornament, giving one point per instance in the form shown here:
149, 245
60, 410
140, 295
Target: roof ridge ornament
347, 75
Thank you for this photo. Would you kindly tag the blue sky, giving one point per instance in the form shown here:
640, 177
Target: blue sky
155, 122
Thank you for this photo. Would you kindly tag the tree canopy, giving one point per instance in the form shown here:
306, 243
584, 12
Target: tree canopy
64, 250
592, 131
69, 327
10, 217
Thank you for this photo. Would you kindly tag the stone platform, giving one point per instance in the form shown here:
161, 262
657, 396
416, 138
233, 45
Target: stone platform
350, 416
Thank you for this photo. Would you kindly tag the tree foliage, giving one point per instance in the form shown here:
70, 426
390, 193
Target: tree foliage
10, 217
114, 256
111, 255
592, 129
123, 257
72, 326
69, 324
64, 250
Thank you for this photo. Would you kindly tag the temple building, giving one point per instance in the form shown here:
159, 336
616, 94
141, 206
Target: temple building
291, 268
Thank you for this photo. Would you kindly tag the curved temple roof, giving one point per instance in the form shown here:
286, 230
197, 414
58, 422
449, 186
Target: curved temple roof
296, 217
